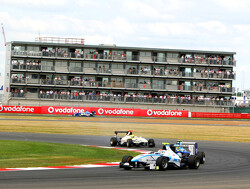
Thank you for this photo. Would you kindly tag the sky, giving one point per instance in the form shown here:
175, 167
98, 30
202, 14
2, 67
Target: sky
219, 25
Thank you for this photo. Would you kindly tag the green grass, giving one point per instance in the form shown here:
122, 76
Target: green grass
38, 154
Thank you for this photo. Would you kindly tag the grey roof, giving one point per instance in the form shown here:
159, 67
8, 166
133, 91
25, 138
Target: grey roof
113, 47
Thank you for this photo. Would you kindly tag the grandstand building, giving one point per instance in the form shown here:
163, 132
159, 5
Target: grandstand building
1, 88
62, 71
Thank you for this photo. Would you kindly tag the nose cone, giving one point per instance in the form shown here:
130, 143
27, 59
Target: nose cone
137, 158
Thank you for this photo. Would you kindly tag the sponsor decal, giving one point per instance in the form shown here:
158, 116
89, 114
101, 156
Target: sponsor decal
164, 113
19, 109
101, 111
66, 110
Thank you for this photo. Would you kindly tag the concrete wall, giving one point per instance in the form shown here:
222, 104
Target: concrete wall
192, 108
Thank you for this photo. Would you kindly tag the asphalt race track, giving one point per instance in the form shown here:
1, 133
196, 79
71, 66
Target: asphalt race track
227, 166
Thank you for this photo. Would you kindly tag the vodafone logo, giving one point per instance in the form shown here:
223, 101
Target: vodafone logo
168, 113
149, 112
100, 111
51, 110
65, 110
17, 109
121, 111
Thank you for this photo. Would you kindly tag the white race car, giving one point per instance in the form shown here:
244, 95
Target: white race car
130, 140
179, 155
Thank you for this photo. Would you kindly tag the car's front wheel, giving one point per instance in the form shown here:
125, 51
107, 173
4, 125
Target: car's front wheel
127, 159
162, 163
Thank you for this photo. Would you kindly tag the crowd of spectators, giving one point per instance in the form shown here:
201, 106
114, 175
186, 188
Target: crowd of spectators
207, 60
58, 52
203, 73
121, 55
18, 92
28, 64
211, 73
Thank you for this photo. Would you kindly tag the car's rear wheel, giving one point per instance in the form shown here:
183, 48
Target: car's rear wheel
162, 163
151, 143
202, 157
113, 141
129, 142
127, 159
193, 162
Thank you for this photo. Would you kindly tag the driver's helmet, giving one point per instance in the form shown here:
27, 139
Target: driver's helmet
179, 142
130, 132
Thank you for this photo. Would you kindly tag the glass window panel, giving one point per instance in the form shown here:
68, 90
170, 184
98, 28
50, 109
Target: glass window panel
172, 55
32, 48
117, 66
19, 48
88, 65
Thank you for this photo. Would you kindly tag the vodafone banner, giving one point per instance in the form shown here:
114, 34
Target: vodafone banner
114, 111
99, 111
20, 109
64, 110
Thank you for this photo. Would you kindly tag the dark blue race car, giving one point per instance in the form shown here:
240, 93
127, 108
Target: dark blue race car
85, 114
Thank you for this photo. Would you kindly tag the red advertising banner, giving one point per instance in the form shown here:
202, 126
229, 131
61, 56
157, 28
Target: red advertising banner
64, 110
220, 115
114, 111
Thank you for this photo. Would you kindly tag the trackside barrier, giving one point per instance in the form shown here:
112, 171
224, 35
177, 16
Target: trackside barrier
220, 115
65, 110
99, 111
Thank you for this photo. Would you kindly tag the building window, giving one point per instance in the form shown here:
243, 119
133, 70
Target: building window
19, 48
47, 65
75, 67
89, 65
33, 48
172, 55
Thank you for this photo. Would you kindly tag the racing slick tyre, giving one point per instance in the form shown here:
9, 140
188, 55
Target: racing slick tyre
129, 142
193, 162
202, 157
162, 163
113, 141
151, 143
127, 159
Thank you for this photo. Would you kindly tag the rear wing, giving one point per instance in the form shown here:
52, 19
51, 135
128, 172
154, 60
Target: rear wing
116, 132
192, 147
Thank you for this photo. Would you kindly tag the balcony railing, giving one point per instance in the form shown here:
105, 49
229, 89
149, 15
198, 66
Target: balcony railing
209, 61
124, 57
82, 83
133, 71
114, 98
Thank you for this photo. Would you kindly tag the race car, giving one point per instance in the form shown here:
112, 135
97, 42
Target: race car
130, 140
85, 114
179, 155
